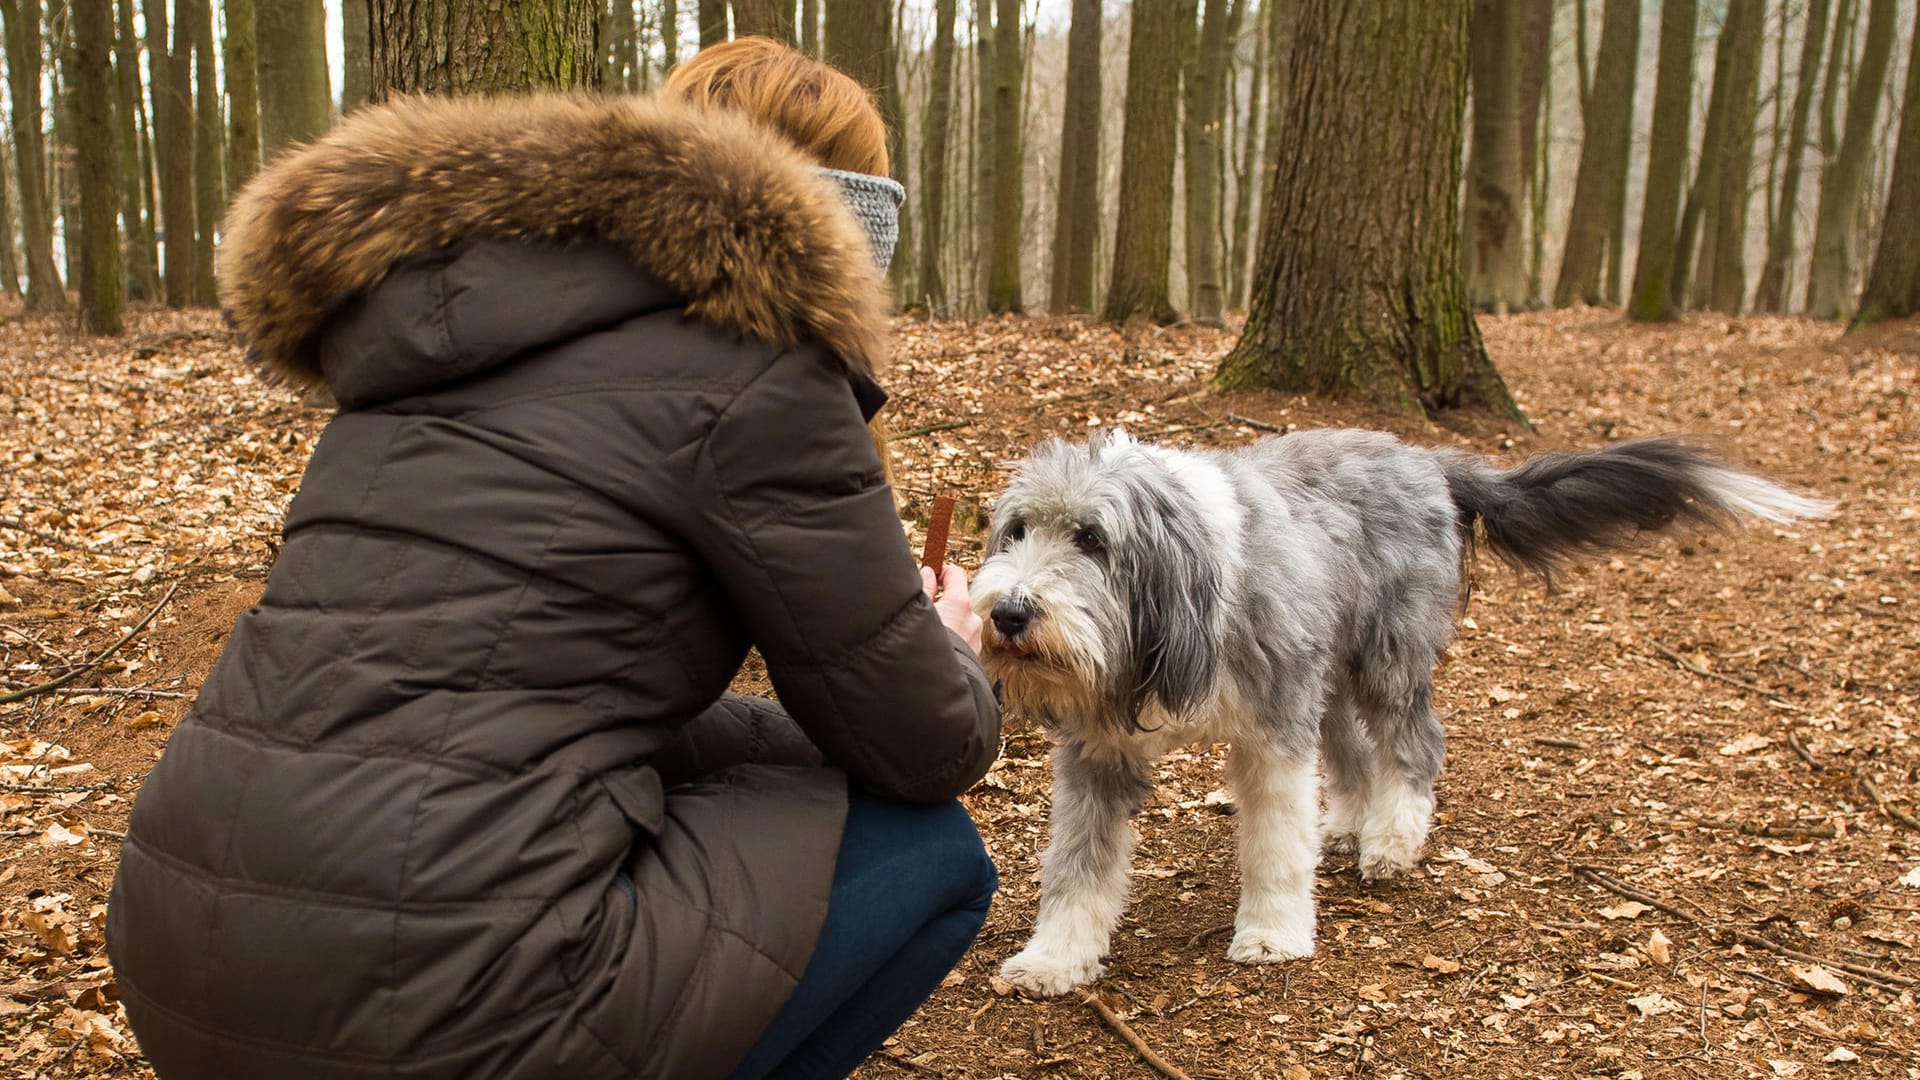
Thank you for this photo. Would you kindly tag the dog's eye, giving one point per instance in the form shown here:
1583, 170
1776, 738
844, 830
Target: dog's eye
1016, 532
1087, 541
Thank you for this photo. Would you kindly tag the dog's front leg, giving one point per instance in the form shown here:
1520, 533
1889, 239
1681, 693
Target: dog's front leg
1083, 872
1279, 821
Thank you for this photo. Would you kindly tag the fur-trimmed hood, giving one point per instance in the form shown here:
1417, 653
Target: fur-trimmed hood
728, 216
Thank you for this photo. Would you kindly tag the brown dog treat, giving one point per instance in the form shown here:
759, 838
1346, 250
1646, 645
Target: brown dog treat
939, 521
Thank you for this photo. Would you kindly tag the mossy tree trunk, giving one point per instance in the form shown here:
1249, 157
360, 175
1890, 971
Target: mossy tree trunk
935, 132
483, 46
1893, 285
1201, 128
242, 64
1830, 280
1719, 277
296, 104
90, 80
1077, 214
1772, 293
1653, 266
1495, 239
209, 146
1143, 237
45, 291
1003, 275
1603, 167
141, 267
1359, 293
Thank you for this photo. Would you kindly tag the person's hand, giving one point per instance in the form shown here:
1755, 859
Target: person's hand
951, 603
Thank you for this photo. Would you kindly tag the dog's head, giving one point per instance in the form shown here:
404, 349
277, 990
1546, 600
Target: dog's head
1101, 587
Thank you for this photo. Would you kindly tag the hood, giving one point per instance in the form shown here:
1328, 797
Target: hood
728, 216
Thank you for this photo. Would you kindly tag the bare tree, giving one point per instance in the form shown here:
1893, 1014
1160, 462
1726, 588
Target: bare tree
1495, 260
1077, 214
1772, 294
713, 22
243, 92
1003, 275
475, 46
90, 76
170, 81
9, 256
1893, 285
1143, 240
356, 54
1603, 167
209, 145
1720, 280
1359, 292
1830, 281
1666, 163
1248, 181
937, 124
763, 18
291, 42
138, 210
1200, 131
45, 291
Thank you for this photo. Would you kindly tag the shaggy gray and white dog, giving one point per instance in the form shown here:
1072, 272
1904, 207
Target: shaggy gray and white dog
1291, 598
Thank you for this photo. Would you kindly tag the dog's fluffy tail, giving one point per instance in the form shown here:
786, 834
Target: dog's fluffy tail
1555, 506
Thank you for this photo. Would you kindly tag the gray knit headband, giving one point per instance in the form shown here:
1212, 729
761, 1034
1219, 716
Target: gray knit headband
876, 201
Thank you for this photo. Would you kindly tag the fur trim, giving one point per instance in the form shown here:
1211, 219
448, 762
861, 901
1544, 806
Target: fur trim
727, 214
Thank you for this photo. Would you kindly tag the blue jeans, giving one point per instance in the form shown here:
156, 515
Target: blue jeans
910, 892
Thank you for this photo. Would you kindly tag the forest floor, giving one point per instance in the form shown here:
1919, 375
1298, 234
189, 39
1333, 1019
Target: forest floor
1676, 836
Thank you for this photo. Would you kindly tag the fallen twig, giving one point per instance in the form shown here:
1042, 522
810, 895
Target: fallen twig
1207, 933
1162, 1065
1615, 885
1564, 744
1873, 792
1861, 970
22, 527
117, 691
1261, 425
928, 429
55, 684
1800, 751
1705, 674
1771, 831
895, 1058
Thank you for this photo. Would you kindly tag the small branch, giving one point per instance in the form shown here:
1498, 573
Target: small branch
120, 691
55, 684
1800, 751
1705, 674
1162, 1065
1207, 933
1873, 792
1564, 744
1861, 970
1260, 425
914, 433
94, 830
1620, 888
899, 1060
53, 789
10, 525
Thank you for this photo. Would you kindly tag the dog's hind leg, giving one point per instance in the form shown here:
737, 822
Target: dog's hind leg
1348, 753
1278, 792
1083, 872
1409, 749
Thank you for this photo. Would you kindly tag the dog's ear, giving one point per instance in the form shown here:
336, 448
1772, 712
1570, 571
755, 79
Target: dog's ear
1172, 575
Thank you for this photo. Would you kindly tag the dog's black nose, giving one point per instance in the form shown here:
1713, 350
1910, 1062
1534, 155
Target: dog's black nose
1010, 616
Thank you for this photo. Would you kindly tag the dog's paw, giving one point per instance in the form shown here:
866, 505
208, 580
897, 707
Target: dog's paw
1042, 974
1339, 842
1388, 865
1257, 945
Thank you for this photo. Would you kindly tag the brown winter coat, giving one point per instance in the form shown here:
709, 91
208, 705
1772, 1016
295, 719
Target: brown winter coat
462, 798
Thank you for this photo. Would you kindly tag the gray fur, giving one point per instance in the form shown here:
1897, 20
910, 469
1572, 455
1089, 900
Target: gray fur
1290, 597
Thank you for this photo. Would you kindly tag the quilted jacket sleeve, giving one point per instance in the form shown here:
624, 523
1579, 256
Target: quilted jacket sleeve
802, 531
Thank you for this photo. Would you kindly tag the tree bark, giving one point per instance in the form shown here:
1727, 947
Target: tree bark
713, 22
1077, 214
170, 81
1200, 131
1703, 195
141, 270
936, 127
1666, 163
1720, 281
1359, 292
45, 291
209, 130
1603, 171
90, 80
981, 205
1536, 151
1893, 285
1833, 83
1495, 258
763, 18
483, 46
356, 54
1003, 275
291, 43
1830, 282
243, 92
1772, 294
1143, 238
1240, 240
9, 256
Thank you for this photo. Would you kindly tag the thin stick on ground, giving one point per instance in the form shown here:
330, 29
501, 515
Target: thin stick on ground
1162, 1065
1616, 886
55, 684
1873, 792
1705, 674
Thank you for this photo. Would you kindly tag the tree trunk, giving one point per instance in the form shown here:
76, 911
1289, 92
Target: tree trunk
90, 80
981, 205
209, 126
1077, 214
763, 18
1893, 285
9, 256
1495, 258
1830, 283
1603, 172
356, 54
1833, 83
1200, 131
243, 91
1359, 292
1240, 239
713, 22
472, 47
1772, 294
142, 265
1536, 151
45, 292
1666, 163
170, 81
1143, 237
291, 55
1703, 195
1003, 275
936, 127
1720, 282
670, 33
